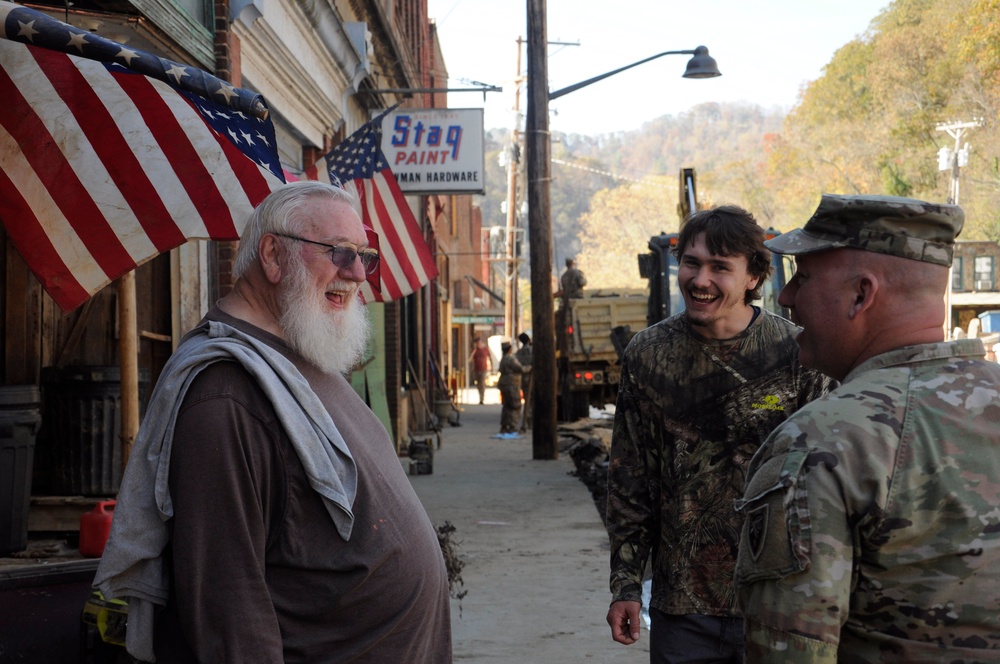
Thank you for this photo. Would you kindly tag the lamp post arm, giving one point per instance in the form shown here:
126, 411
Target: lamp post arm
581, 84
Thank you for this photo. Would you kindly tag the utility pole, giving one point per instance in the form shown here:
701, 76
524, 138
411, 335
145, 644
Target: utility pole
537, 153
510, 314
955, 159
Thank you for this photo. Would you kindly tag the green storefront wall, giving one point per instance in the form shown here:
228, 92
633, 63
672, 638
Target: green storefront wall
369, 381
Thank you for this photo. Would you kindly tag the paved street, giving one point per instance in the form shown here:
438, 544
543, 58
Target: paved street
534, 550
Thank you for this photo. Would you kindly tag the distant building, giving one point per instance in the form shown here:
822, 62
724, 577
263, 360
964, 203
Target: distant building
975, 281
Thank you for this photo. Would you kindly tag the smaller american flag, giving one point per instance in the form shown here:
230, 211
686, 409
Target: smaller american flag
407, 263
103, 168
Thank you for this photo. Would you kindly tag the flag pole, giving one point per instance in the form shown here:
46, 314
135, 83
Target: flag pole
128, 340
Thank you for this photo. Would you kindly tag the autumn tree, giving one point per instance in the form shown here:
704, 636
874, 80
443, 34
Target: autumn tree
870, 123
618, 228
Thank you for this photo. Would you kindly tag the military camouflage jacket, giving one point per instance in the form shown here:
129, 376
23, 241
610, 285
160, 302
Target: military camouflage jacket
686, 424
510, 371
873, 517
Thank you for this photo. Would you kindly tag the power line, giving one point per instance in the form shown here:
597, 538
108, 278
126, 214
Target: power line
614, 176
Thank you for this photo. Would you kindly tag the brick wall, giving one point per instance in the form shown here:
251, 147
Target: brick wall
227, 67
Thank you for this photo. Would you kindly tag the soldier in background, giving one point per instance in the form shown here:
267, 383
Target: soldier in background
572, 281
699, 392
510, 389
872, 527
525, 356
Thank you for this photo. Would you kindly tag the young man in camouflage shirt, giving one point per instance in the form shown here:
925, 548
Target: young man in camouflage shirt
699, 393
873, 514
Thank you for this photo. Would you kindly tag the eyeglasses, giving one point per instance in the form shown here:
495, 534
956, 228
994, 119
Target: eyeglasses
342, 255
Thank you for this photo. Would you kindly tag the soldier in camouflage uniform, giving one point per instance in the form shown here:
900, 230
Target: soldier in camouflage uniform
525, 355
872, 529
699, 393
510, 389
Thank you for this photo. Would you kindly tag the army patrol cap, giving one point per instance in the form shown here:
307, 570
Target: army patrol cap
903, 227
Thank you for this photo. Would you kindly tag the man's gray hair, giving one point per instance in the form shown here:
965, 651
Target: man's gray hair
278, 214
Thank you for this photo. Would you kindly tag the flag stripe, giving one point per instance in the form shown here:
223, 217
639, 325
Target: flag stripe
45, 261
396, 262
410, 236
63, 150
196, 179
169, 191
425, 261
56, 172
388, 287
200, 154
99, 126
43, 218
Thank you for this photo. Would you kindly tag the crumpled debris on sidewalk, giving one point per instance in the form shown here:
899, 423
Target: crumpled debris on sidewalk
452, 562
507, 436
588, 443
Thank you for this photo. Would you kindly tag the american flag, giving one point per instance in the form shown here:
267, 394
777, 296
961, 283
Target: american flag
407, 262
103, 167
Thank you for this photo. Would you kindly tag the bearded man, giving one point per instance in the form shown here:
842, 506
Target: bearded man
264, 515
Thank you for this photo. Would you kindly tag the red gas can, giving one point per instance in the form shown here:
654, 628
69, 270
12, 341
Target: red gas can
95, 526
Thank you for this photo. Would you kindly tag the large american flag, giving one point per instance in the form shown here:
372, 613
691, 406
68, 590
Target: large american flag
407, 262
103, 167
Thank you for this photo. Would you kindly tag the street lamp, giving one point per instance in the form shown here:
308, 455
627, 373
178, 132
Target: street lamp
701, 65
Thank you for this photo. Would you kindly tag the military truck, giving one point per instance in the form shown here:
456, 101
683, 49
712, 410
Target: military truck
588, 358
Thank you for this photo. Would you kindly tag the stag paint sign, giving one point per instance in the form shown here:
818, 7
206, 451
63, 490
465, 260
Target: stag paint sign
436, 151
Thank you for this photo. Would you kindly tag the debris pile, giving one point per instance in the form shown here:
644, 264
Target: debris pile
452, 561
588, 443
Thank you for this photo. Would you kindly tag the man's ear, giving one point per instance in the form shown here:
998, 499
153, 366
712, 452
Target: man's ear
269, 254
866, 288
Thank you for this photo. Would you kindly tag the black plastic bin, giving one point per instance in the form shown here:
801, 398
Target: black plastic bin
20, 417
80, 443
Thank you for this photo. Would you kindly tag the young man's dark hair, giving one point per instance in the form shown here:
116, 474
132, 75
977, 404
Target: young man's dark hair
730, 231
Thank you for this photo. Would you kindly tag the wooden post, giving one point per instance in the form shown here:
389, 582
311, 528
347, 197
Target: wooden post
510, 322
128, 340
536, 136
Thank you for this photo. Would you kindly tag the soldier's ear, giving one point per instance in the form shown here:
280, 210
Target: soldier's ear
864, 289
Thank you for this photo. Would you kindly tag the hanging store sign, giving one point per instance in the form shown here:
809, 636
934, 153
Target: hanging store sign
478, 320
437, 150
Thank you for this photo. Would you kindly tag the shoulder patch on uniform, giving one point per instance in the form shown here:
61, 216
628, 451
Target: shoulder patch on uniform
757, 529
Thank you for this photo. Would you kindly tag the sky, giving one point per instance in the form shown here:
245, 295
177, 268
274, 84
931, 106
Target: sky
767, 51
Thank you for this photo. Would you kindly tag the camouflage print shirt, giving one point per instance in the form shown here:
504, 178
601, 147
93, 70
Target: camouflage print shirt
690, 414
873, 517
510, 371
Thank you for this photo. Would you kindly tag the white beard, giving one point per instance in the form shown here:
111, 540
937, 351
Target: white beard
334, 342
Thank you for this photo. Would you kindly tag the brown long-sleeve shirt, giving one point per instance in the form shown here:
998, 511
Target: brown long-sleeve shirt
259, 573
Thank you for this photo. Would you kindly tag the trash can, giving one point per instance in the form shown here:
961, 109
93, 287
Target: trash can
20, 417
80, 442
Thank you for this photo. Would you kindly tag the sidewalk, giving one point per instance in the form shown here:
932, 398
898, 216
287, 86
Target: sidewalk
534, 550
